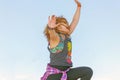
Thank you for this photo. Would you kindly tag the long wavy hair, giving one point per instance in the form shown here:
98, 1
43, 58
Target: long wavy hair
54, 33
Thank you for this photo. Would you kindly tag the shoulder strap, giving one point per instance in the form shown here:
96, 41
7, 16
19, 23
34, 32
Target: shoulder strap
48, 45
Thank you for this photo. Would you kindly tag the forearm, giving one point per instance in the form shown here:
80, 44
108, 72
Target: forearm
75, 19
76, 16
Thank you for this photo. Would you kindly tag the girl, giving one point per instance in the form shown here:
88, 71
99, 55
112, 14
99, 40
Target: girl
58, 33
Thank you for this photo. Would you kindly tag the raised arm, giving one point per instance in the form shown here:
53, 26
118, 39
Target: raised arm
76, 17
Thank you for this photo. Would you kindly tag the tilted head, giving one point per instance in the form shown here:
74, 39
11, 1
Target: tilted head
63, 28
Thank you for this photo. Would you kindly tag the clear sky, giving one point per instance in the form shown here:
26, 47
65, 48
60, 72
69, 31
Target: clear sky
23, 47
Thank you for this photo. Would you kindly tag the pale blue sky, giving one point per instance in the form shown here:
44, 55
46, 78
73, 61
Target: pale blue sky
23, 47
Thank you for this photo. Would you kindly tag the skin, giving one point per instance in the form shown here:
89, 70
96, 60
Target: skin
73, 24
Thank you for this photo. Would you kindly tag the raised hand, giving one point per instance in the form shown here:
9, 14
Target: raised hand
78, 3
52, 21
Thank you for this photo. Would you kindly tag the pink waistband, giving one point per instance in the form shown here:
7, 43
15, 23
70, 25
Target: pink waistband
51, 70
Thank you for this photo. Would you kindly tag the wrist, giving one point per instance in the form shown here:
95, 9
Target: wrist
78, 5
50, 28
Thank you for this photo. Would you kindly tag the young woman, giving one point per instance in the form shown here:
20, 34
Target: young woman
58, 32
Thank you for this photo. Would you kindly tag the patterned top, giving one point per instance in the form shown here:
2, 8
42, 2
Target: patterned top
50, 70
59, 47
61, 54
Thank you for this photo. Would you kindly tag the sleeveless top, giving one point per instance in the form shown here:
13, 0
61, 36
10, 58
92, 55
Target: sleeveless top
61, 54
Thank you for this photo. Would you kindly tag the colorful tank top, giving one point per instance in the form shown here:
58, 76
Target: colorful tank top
61, 54
59, 47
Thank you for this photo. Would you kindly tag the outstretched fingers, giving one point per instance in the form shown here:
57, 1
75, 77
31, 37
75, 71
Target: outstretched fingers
52, 21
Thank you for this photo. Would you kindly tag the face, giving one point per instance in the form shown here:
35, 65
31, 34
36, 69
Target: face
63, 29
